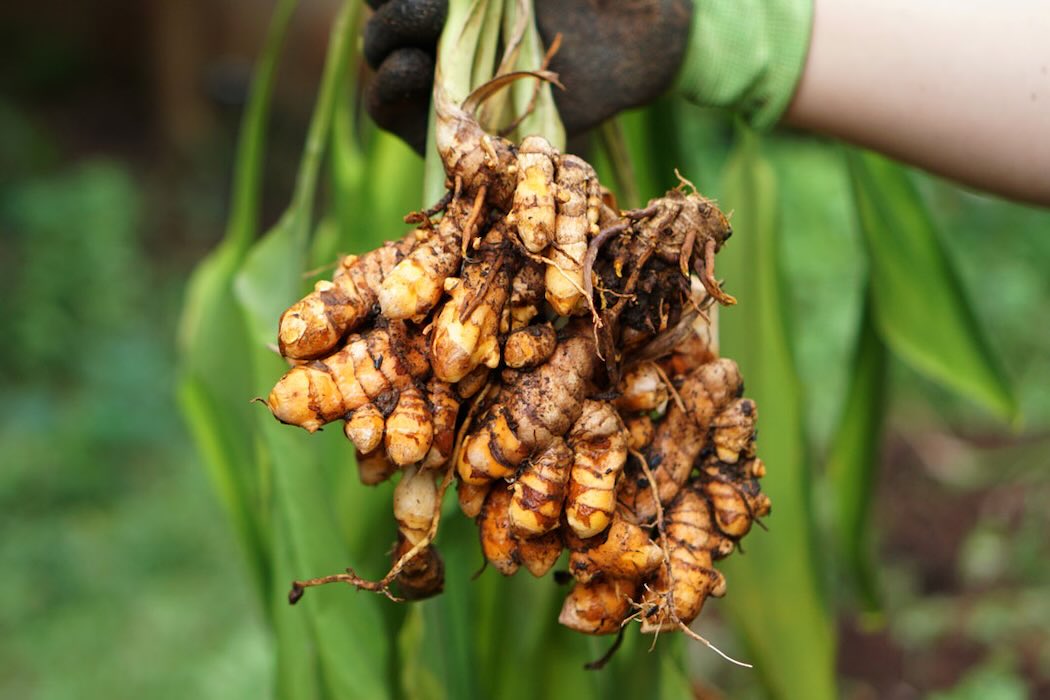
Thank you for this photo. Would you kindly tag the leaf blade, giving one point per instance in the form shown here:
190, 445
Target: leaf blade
921, 309
853, 460
788, 627
210, 333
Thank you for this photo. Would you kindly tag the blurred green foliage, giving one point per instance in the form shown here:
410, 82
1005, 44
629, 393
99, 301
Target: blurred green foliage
122, 578
115, 562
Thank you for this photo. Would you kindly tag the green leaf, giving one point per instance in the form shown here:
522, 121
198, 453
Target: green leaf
650, 154
921, 309
450, 620
674, 683
270, 277
213, 382
390, 160
352, 641
347, 172
488, 42
298, 668
616, 151
418, 682
373, 186
348, 631
247, 178
854, 458
304, 484
775, 595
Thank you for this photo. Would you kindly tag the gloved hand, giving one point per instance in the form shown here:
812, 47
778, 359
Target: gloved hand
615, 54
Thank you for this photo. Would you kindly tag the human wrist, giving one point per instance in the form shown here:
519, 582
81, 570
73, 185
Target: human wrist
746, 55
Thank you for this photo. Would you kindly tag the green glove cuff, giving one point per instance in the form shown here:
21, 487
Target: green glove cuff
746, 55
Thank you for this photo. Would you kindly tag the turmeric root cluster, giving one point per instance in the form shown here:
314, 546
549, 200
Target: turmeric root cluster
552, 355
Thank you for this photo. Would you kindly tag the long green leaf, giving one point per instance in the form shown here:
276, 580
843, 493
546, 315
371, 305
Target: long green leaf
921, 309
242, 226
352, 641
304, 487
347, 173
303, 483
298, 666
270, 276
213, 380
854, 458
775, 589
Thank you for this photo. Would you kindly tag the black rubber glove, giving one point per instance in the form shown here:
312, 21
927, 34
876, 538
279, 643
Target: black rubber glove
615, 54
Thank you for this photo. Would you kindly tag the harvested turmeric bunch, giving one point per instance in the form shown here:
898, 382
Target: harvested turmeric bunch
453, 354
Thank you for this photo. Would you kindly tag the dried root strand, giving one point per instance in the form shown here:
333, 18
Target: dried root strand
415, 491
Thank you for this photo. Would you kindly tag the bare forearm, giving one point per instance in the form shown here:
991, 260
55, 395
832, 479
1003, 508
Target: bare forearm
957, 87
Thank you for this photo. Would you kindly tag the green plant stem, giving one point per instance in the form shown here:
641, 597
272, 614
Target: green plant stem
335, 67
247, 174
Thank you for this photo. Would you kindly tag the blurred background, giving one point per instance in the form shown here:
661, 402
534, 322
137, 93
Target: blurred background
121, 576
